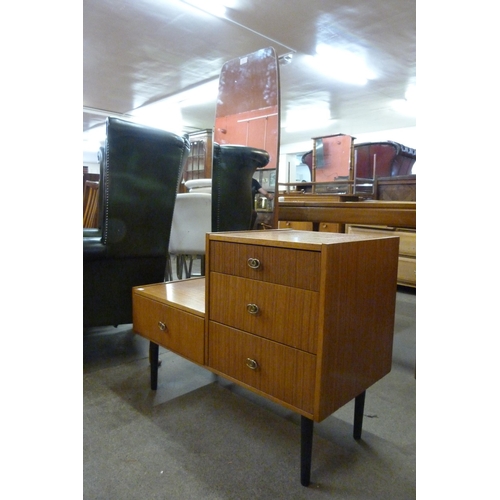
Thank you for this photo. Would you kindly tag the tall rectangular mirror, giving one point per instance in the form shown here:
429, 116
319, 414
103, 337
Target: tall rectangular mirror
248, 114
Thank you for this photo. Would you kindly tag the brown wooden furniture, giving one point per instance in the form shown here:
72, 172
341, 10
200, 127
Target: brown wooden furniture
375, 217
199, 162
89, 177
380, 170
398, 188
303, 318
407, 261
91, 204
321, 209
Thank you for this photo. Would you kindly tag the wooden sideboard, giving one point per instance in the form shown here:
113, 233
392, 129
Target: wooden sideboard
372, 212
330, 213
303, 318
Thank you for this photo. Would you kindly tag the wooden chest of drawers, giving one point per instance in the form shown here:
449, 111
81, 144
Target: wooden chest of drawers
303, 318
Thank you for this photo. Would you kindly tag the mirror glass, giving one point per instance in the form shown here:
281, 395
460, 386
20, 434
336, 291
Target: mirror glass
333, 163
248, 114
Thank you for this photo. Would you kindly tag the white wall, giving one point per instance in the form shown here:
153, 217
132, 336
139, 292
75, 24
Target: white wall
90, 160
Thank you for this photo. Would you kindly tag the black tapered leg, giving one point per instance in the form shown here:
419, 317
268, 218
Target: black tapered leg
306, 441
359, 408
153, 363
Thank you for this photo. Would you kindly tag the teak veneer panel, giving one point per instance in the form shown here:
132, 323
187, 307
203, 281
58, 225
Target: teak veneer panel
295, 268
180, 306
387, 213
182, 333
407, 265
188, 295
283, 373
286, 314
357, 310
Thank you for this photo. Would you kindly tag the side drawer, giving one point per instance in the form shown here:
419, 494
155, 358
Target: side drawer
282, 372
407, 237
284, 266
331, 227
280, 313
407, 271
294, 224
407, 242
174, 329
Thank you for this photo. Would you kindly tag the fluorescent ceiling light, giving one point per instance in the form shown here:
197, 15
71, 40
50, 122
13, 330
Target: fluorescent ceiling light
307, 118
165, 115
342, 64
206, 92
214, 7
408, 105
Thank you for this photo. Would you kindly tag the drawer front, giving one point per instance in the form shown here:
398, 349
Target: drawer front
280, 313
407, 238
174, 329
294, 224
407, 242
282, 372
331, 227
407, 271
283, 266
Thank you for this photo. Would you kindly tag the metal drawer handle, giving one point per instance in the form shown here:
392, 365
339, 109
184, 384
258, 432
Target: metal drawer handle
253, 263
252, 364
162, 326
253, 308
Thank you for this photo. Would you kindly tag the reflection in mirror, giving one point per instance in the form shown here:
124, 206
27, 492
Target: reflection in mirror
248, 114
329, 167
333, 160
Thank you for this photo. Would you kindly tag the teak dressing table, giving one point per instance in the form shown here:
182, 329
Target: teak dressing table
303, 318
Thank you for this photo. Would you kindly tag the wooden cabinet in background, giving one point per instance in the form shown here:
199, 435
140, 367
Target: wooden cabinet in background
293, 224
199, 162
330, 227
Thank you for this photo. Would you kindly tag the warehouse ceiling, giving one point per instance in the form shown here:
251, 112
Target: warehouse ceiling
347, 66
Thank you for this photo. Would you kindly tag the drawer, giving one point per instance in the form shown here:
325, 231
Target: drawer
294, 224
407, 271
174, 329
331, 227
407, 238
279, 371
283, 314
283, 266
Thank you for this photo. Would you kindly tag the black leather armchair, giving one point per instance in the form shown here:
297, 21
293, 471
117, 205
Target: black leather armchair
141, 173
232, 171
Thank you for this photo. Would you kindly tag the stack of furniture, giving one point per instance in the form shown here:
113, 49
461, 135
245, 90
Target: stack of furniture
387, 208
